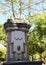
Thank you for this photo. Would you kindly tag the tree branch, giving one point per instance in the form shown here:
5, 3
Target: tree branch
12, 9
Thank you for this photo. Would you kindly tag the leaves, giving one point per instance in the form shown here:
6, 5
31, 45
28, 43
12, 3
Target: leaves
3, 39
37, 38
13, 1
44, 54
2, 54
2, 34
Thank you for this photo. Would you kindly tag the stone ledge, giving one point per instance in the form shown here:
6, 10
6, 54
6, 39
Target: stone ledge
23, 63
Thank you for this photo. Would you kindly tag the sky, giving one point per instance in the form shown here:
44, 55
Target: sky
36, 9
2, 19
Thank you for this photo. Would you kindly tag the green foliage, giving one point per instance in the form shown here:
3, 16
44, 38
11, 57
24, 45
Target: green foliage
2, 54
30, 57
11, 1
44, 54
32, 44
36, 56
3, 39
40, 18
37, 38
2, 35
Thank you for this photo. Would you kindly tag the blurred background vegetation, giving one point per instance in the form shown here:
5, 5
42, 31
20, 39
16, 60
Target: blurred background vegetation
2, 44
37, 38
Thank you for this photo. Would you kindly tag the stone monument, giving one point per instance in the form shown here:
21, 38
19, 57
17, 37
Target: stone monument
17, 46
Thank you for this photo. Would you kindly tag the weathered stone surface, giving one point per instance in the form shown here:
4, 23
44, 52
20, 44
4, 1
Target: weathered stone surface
24, 63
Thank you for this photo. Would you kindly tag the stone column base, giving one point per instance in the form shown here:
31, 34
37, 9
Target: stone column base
23, 63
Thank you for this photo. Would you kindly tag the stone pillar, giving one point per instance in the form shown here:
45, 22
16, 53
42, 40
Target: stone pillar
17, 46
